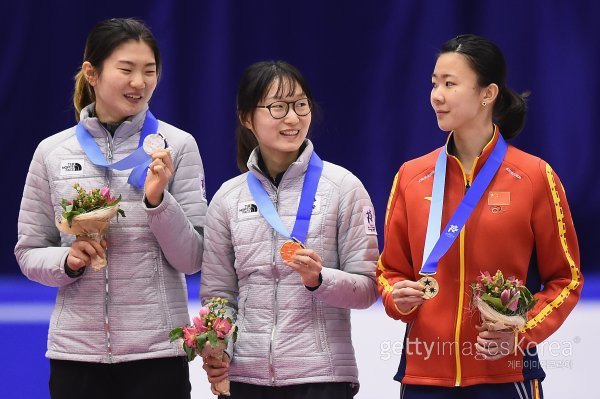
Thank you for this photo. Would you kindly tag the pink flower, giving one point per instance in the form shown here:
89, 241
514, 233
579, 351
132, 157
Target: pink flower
505, 297
221, 327
514, 302
199, 324
204, 310
105, 192
189, 336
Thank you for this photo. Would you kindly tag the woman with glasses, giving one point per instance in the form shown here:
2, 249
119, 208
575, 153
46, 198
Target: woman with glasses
476, 205
291, 244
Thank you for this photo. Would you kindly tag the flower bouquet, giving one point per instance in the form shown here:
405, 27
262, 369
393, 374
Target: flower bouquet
502, 302
88, 214
208, 336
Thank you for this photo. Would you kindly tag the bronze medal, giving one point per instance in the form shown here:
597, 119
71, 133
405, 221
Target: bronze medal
431, 286
289, 248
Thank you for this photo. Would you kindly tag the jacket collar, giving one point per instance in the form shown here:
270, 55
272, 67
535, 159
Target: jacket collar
485, 153
129, 127
296, 169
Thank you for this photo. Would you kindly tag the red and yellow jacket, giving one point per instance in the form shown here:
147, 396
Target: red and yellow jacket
522, 226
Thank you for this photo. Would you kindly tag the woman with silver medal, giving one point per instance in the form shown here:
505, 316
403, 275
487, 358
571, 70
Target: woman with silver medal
108, 337
291, 245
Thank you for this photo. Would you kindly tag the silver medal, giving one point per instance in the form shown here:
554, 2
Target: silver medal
154, 142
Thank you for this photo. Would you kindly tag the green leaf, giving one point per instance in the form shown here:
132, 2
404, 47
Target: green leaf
190, 352
176, 333
212, 337
201, 341
494, 302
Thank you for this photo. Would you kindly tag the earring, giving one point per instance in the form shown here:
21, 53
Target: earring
484, 103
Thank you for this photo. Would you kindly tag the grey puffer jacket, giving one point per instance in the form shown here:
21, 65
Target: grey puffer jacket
125, 311
287, 333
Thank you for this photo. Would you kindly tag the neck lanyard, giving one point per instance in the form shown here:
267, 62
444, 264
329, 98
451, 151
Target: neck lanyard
436, 244
139, 160
307, 198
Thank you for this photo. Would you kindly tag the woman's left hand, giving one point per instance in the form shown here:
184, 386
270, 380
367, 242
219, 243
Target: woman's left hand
494, 345
159, 174
308, 264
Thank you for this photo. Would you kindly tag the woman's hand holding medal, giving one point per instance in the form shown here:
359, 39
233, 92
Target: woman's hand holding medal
306, 262
160, 170
407, 294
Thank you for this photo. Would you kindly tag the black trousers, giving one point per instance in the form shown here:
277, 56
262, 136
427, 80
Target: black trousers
167, 378
329, 390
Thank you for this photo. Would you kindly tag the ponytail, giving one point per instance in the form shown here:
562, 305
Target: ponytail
83, 95
246, 143
509, 112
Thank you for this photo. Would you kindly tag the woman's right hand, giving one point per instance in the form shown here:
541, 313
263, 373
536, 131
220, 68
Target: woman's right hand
216, 370
407, 294
82, 250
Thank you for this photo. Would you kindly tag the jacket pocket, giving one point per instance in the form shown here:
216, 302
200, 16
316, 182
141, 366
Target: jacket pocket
241, 316
318, 325
158, 280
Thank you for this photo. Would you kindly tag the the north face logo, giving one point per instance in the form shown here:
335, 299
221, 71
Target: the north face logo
71, 167
249, 208
246, 210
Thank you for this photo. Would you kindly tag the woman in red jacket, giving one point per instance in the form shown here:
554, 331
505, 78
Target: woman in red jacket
520, 224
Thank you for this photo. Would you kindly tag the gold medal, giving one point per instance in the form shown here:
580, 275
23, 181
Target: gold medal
289, 248
431, 287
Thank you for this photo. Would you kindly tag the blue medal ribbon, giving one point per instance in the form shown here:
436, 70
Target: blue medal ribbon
307, 198
434, 252
138, 160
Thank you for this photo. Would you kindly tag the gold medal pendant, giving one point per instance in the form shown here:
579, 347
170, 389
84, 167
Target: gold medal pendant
431, 286
289, 248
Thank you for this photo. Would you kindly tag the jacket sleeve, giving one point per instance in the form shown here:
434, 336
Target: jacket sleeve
178, 221
353, 285
557, 258
219, 278
395, 262
38, 249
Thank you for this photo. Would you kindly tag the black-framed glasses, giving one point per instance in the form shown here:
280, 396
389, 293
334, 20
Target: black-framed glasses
279, 109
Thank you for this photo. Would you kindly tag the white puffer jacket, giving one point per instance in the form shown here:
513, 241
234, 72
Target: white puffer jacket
125, 311
288, 334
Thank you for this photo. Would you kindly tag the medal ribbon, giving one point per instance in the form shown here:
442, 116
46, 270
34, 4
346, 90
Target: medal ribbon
436, 244
305, 207
138, 160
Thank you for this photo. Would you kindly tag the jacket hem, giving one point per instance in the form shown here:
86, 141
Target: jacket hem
467, 381
293, 381
94, 358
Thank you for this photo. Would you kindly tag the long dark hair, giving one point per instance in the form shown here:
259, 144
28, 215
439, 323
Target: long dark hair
104, 38
487, 61
254, 86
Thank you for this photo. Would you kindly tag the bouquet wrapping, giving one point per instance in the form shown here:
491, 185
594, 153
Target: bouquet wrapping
502, 302
89, 214
208, 336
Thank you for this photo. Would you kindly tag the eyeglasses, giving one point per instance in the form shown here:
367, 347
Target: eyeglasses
279, 109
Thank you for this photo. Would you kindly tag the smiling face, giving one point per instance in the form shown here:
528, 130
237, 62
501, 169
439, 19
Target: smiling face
279, 139
125, 83
456, 96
